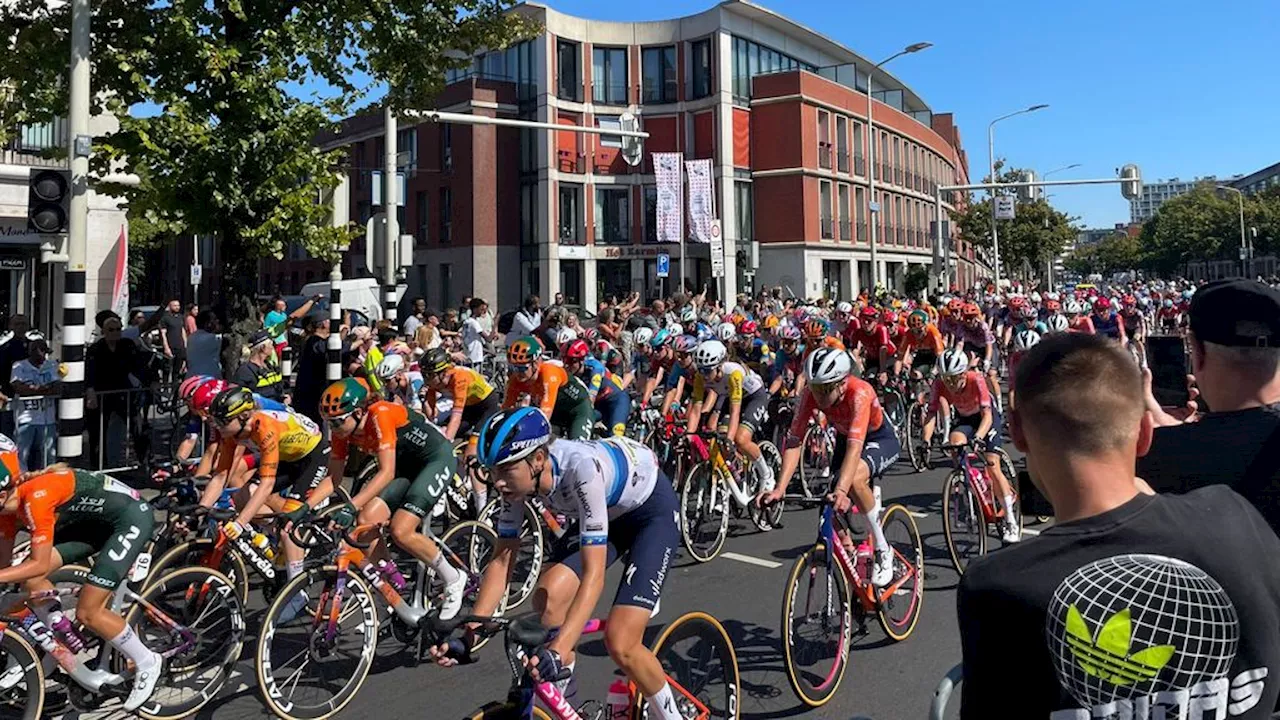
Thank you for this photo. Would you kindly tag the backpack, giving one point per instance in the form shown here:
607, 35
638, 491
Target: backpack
505, 321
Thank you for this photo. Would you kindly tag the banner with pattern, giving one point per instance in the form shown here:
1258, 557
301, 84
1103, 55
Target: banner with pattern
702, 208
670, 186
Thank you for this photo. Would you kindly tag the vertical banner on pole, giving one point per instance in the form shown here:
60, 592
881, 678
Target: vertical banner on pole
120, 287
701, 200
670, 219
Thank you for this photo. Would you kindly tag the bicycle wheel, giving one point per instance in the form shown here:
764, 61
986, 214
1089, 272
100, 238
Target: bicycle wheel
698, 658
815, 462
817, 626
770, 517
917, 449
21, 680
311, 665
900, 610
704, 513
895, 411
962, 521
529, 559
471, 545
204, 646
192, 554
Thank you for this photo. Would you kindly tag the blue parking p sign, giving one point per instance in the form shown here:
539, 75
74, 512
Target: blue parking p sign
664, 265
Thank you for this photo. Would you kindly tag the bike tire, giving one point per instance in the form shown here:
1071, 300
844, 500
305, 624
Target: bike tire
357, 593
962, 517
812, 483
815, 689
226, 636
699, 498
770, 517
507, 711
916, 447
24, 699
900, 531
693, 680
189, 554
531, 557
472, 544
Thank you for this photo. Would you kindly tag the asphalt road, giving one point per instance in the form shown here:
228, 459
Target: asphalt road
743, 588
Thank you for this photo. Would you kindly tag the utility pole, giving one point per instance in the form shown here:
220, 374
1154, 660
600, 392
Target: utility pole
71, 403
390, 202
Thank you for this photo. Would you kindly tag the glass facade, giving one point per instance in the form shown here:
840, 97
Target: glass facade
658, 74
613, 215
568, 77
700, 60
609, 76
751, 59
515, 64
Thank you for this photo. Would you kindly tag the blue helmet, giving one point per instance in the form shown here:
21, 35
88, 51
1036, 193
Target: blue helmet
660, 338
512, 434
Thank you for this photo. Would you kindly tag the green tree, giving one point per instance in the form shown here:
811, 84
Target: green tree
1204, 224
1116, 253
916, 281
217, 106
1037, 232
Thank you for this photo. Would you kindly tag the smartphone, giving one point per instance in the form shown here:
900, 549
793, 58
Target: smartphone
1167, 358
1033, 502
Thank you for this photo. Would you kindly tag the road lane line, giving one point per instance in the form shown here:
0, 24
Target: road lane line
751, 560
1030, 531
917, 514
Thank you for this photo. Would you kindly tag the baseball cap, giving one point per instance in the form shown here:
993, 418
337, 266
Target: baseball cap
259, 337
1236, 313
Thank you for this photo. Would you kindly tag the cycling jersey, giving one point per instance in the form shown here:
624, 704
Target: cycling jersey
950, 327
598, 482
1081, 324
466, 386
542, 389
88, 513
758, 357
1108, 325
1037, 326
735, 382
599, 381
286, 443
856, 415
978, 336
1132, 323
424, 456
872, 339
784, 362
968, 400
928, 340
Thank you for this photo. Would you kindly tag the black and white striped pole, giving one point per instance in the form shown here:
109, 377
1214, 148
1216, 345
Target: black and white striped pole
341, 204
391, 201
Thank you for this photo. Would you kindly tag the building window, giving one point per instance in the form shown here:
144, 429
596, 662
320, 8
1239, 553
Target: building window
528, 214
650, 213
446, 147
613, 215
860, 212
897, 161
824, 140
701, 61
898, 219
846, 224
659, 74
420, 200
568, 80
609, 76
859, 151
609, 122
842, 144
744, 204
824, 208
571, 214
751, 59
407, 142
446, 216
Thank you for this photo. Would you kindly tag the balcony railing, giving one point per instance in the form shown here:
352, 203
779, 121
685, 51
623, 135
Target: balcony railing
571, 161
39, 138
824, 155
846, 230
842, 162
826, 228
859, 164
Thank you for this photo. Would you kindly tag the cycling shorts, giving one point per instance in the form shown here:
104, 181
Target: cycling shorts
968, 426
753, 414
879, 452
614, 410
115, 528
417, 490
924, 360
295, 478
647, 535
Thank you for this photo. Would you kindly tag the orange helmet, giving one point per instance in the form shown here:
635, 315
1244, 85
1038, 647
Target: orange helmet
955, 305
970, 310
524, 350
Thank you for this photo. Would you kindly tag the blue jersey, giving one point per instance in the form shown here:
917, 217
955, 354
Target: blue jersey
599, 381
677, 372
1109, 326
759, 357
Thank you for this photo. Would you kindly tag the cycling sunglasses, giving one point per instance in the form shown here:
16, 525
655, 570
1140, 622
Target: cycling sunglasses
825, 388
519, 368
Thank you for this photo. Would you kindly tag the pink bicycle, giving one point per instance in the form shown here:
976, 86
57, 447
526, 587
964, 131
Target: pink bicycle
695, 652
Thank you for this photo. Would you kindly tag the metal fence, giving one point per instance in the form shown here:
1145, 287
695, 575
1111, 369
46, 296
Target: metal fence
126, 429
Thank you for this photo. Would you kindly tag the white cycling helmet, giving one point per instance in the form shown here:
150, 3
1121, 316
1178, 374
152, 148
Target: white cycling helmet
709, 354
642, 336
565, 335
676, 329
1035, 297
1073, 307
827, 365
844, 307
1025, 340
390, 366
953, 362
688, 314
726, 332
1056, 323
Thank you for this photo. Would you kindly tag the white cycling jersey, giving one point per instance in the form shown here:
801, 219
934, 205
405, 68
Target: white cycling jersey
600, 481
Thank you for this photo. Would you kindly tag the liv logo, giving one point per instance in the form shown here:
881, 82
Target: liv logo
1107, 657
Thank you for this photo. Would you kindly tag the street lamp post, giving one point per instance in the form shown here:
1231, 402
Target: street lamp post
1244, 244
991, 164
871, 153
1048, 268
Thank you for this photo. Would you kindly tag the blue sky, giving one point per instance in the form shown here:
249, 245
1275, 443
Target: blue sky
1181, 88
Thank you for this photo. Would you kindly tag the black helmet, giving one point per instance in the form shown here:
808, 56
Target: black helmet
435, 361
232, 403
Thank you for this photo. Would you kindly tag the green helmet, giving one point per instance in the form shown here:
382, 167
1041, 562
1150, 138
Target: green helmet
343, 398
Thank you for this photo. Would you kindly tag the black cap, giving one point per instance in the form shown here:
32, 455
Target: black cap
1236, 313
259, 337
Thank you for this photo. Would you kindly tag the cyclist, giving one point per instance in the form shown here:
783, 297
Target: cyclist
77, 516
977, 420
789, 359
662, 358
400, 384
720, 384
865, 443
415, 464
1133, 323
681, 372
607, 396
623, 506
1025, 318
1168, 316
1107, 322
980, 345
561, 397
751, 349
921, 342
873, 342
845, 322
473, 401
949, 323
1077, 321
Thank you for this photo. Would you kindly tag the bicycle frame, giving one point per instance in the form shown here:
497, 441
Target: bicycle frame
865, 591
977, 474
711, 451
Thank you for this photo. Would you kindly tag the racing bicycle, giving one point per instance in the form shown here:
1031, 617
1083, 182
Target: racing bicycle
970, 508
717, 483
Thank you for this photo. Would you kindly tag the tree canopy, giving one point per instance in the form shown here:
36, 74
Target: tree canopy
1115, 253
1204, 224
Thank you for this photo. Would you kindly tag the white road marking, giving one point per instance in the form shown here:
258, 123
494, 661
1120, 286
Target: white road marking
1030, 531
917, 514
751, 560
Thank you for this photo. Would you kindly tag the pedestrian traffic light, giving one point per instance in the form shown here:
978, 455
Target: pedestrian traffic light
1131, 182
48, 201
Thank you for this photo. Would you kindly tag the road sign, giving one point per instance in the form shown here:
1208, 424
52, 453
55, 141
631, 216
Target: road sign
874, 206
717, 250
197, 272
664, 265
1005, 205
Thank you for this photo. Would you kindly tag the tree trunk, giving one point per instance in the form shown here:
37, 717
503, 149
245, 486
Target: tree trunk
238, 309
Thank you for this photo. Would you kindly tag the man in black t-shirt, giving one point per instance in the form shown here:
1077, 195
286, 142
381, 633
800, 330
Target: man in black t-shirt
1133, 605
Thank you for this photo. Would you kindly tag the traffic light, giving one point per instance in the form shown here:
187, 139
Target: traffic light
1027, 193
1131, 187
48, 201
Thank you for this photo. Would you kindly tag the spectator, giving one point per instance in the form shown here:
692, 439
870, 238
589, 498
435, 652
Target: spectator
174, 337
312, 367
464, 310
1129, 594
451, 324
429, 336
36, 381
113, 366
276, 322
356, 345
526, 320
474, 334
189, 322
1235, 357
558, 300
205, 346
13, 350
258, 372
133, 331
416, 317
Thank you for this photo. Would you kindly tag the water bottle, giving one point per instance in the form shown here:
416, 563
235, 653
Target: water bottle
619, 700
66, 632
392, 574
863, 559
263, 543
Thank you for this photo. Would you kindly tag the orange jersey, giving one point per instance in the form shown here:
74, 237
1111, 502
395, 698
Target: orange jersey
542, 389
930, 340
40, 498
856, 415
278, 436
466, 387
378, 432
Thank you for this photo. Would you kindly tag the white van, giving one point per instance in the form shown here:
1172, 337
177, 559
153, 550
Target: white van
363, 294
